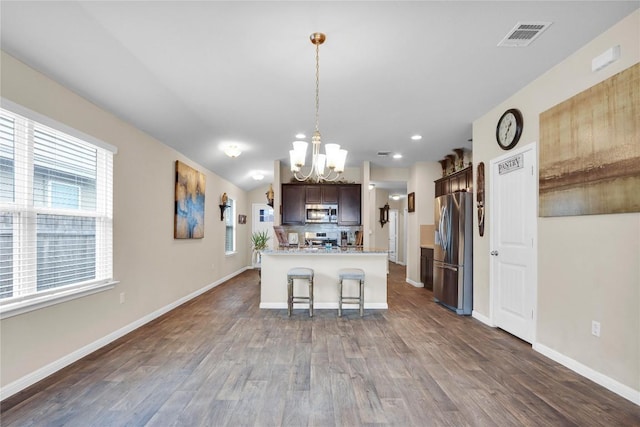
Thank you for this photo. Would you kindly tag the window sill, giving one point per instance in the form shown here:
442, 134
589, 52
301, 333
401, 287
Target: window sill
11, 309
230, 253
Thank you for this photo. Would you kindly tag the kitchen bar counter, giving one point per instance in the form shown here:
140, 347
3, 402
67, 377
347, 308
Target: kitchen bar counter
335, 250
325, 263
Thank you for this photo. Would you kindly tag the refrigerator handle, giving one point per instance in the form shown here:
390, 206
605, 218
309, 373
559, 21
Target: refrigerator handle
442, 265
444, 217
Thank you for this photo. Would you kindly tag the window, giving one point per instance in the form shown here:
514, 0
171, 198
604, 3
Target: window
266, 215
230, 228
55, 213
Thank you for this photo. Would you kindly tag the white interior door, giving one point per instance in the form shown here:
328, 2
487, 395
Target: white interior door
393, 235
263, 220
513, 245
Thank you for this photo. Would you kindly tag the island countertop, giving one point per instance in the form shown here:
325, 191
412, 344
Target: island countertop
335, 250
326, 264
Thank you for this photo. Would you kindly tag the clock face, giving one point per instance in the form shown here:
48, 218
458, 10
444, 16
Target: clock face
509, 129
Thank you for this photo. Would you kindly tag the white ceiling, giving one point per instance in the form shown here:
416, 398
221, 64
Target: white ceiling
197, 75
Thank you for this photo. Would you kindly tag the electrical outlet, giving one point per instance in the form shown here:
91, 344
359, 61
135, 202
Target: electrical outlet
121, 297
595, 328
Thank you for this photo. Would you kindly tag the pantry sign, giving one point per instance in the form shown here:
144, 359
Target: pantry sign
511, 164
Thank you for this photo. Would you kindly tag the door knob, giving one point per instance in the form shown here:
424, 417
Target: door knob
494, 253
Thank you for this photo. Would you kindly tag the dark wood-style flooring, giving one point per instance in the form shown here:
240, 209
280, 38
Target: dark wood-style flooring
219, 360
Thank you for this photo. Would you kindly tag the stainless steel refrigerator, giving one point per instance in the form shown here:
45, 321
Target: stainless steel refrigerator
453, 252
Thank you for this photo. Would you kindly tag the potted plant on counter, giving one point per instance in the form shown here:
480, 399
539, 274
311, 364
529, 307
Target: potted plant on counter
259, 241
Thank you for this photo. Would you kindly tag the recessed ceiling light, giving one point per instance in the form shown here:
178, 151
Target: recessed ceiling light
257, 176
301, 135
397, 156
416, 137
395, 197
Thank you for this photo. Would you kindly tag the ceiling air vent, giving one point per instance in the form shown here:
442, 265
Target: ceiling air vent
523, 34
383, 153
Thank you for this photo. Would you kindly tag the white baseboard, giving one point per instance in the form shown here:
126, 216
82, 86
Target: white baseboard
482, 318
587, 372
40, 374
414, 283
324, 305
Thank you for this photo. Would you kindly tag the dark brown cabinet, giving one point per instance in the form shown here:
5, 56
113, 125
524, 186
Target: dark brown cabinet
293, 201
349, 204
321, 194
457, 181
296, 196
426, 267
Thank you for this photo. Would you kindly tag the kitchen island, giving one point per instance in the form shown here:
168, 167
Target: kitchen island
325, 263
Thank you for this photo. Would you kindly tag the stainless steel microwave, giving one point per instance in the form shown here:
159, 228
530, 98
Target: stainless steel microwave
321, 213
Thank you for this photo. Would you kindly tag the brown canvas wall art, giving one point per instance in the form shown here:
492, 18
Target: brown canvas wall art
189, 203
590, 150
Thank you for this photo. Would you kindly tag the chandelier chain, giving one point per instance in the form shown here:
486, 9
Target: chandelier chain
317, 87
334, 158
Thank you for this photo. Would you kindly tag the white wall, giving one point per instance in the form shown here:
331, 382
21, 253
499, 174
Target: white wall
421, 182
380, 236
390, 174
350, 175
588, 266
154, 270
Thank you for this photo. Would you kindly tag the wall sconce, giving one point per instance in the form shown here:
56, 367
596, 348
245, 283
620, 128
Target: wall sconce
269, 195
384, 214
223, 205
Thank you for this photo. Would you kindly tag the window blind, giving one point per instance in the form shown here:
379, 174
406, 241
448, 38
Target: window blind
230, 234
56, 215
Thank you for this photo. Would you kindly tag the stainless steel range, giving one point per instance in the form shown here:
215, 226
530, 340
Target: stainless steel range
320, 238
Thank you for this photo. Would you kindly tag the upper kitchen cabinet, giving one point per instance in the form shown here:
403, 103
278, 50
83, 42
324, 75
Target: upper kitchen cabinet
349, 204
293, 201
296, 196
321, 194
457, 181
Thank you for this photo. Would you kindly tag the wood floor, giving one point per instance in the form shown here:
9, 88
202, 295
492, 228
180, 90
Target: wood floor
221, 361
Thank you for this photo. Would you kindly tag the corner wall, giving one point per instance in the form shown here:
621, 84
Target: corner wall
154, 270
588, 266
421, 181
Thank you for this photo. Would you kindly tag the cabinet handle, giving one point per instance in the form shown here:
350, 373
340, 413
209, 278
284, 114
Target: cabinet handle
494, 253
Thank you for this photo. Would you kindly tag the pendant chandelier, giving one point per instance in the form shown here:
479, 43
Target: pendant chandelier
334, 157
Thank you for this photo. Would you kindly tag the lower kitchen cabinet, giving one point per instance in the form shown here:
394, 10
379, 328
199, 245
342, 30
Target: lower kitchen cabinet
426, 267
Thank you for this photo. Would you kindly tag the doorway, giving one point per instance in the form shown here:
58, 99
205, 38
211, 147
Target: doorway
262, 220
513, 242
393, 235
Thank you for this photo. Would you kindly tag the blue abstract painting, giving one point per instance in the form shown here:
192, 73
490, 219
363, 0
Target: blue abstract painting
189, 209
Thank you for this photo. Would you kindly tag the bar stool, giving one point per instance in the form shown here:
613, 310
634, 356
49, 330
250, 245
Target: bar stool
303, 274
351, 274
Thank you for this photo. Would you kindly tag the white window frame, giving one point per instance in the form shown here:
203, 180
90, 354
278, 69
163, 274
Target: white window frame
26, 297
232, 219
